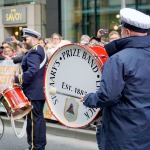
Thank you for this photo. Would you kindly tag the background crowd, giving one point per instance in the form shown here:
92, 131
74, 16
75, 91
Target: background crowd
14, 49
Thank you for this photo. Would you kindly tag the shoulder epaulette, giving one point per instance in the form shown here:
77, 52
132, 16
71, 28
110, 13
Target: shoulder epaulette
35, 47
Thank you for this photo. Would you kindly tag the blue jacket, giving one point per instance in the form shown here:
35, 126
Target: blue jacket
32, 78
124, 95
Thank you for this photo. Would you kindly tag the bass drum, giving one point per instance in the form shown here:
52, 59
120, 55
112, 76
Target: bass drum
73, 71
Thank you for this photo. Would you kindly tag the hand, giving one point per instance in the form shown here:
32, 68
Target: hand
14, 40
99, 34
7, 57
81, 98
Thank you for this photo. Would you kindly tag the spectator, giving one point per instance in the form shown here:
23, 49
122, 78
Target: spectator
21, 50
42, 42
1, 53
4, 44
84, 40
8, 52
93, 41
113, 35
55, 44
56, 39
48, 42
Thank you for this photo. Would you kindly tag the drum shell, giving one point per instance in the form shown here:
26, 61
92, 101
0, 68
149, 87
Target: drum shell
15, 102
100, 52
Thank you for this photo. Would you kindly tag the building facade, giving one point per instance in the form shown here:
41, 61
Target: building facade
70, 18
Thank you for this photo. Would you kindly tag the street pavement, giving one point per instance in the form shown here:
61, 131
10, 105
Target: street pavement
55, 128
9, 141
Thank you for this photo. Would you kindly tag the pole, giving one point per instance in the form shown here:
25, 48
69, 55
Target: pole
123, 3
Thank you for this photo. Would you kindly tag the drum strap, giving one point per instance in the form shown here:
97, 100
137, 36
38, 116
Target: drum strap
23, 131
44, 60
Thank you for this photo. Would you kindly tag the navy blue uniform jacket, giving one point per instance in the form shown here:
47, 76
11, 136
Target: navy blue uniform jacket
32, 78
124, 95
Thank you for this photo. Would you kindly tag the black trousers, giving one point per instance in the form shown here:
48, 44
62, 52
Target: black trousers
36, 126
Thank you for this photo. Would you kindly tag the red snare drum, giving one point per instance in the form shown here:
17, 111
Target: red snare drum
15, 102
73, 70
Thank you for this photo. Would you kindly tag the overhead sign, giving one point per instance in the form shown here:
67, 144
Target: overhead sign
14, 16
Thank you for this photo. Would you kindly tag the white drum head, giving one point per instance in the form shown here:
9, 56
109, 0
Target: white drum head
72, 70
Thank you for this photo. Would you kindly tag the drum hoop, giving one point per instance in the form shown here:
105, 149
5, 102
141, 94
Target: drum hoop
10, 89
99, 63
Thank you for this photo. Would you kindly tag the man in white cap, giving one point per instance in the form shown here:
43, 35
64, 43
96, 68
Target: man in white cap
32, 80
124, 93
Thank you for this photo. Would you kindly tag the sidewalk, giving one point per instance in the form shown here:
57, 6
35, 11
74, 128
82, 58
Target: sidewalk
57, 129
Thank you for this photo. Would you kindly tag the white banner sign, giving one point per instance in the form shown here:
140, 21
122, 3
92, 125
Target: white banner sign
7, 69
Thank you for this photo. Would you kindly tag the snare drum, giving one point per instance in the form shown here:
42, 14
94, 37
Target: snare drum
15, 102
76, 70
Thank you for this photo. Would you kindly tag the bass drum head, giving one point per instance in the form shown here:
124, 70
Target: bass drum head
73, 70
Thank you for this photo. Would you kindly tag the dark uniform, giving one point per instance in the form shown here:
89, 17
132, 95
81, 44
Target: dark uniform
124, 92
32, 80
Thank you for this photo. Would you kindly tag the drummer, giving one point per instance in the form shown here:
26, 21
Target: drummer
32, 80
123, 93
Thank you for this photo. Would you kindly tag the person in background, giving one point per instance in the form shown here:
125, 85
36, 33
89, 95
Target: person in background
56, 40
84, 40
42, 42
8, 53
21, 51
4, 44
56, 43
113, 35
123, 93
48, 42
32, 80
93, 41
1, 53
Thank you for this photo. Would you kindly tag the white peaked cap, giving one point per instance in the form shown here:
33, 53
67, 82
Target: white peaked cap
133, 18
30, 32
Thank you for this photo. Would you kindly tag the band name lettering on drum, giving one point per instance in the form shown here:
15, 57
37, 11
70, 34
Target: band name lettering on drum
90, 61
53, 72
71, 52
55, 100
89, 113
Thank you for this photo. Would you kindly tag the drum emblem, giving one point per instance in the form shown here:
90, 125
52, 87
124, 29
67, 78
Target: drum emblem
71, 109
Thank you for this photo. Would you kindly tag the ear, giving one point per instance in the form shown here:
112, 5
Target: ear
128, 32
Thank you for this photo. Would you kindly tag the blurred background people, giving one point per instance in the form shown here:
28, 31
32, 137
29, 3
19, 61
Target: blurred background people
57, 41
1, 53
8, 52
21, 50
84, 39
4, 44
93, 41
113, 35
42, 42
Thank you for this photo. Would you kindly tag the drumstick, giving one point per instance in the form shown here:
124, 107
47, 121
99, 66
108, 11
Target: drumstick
53, 91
